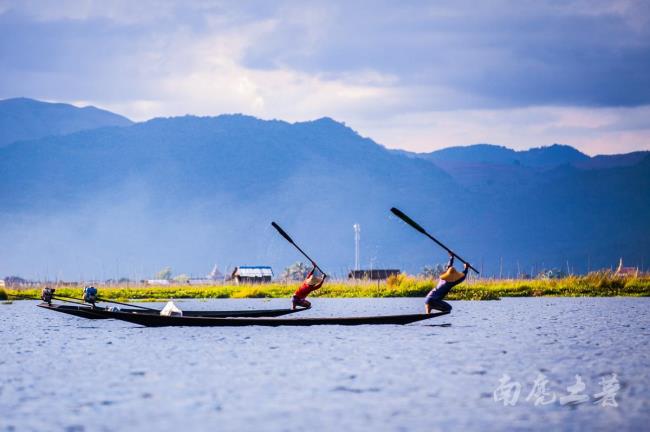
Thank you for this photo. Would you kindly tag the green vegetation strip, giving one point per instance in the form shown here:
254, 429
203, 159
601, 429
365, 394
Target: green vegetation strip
601, 284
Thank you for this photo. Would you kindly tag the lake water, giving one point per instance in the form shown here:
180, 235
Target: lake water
59, 372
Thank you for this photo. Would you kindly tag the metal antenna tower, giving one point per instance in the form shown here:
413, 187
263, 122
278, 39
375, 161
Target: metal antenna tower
357, 239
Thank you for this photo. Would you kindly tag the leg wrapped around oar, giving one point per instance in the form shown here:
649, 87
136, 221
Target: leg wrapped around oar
440, 305
302, 302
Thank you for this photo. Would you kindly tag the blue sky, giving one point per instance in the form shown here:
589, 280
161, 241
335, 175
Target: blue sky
414, 75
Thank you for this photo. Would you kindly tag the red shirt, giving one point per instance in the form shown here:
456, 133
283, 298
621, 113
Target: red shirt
306, 289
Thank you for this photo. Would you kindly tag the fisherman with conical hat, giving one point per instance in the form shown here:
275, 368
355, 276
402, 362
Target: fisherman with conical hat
449, 279
312, 283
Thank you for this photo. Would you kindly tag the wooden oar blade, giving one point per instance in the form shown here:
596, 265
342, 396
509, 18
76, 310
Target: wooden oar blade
407, 219
282, 233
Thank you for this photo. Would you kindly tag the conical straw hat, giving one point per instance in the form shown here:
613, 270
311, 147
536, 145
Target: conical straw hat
451, 275
313, 280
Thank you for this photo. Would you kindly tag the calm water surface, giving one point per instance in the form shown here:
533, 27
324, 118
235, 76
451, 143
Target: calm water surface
60, 372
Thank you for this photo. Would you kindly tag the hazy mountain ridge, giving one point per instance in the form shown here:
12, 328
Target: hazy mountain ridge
487, 166
191, 191
541, 157
27, 119
613, 161
223, 177
538, 157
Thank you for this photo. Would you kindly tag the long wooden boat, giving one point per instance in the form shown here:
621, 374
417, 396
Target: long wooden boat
203, 321
102, 313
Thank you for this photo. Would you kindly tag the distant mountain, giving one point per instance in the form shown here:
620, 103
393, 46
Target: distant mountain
482, 167
188, 192
613, 161
570, 218
542, 157
26, 119
187, 189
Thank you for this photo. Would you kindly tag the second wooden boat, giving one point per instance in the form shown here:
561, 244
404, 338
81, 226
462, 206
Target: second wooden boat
102, 313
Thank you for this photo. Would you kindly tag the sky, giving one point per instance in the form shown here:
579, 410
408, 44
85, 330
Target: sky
416, 75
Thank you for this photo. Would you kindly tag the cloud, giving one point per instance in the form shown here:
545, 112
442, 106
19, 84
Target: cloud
474, 72
505, 53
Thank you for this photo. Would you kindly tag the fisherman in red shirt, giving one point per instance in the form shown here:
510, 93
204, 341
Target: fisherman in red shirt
312, 283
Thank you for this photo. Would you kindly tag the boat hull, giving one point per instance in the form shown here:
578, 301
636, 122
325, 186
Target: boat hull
189, 321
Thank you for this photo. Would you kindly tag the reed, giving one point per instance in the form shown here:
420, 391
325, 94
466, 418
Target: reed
598, 284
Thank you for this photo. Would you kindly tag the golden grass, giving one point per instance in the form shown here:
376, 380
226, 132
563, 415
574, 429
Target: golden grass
597, 284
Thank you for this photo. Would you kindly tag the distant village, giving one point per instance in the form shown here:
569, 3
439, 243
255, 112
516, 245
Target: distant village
245, 274
260, 274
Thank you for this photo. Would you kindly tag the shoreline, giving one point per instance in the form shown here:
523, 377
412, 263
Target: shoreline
591, 285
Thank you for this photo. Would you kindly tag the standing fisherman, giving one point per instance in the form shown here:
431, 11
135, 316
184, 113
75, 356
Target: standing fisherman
449, 279
311, 283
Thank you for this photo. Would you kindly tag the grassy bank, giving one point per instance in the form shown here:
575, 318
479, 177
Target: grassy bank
601, 284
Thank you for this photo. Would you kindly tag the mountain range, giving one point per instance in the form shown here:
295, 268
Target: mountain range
26, 119
125, 199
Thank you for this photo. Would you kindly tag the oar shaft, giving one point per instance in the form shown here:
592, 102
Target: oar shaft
60, 297
450, 251
290, 240
307, 256
21, 297
68, 301
416, 226
127, 304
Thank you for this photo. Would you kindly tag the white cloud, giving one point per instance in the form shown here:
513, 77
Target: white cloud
207, 78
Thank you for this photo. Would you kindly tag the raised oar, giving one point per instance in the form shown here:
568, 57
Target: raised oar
415, 225
286, 236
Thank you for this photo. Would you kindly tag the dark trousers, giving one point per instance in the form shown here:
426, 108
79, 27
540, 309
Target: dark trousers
440, 305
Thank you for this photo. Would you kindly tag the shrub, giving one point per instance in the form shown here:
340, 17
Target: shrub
251, 292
